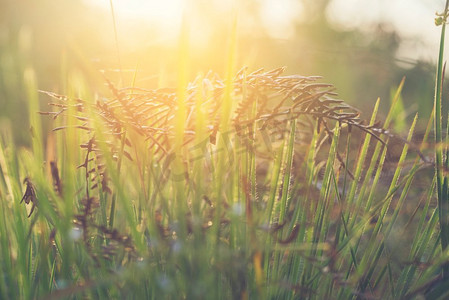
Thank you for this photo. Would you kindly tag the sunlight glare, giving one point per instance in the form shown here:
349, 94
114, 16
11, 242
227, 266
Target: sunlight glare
164, 13
278, 17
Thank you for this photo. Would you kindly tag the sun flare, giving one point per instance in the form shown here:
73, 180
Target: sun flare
167, 11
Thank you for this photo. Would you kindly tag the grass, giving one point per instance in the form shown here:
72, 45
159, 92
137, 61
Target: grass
441, 160
259, 186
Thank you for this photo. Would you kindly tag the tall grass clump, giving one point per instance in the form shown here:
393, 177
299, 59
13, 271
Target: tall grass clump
259, 186
276, 206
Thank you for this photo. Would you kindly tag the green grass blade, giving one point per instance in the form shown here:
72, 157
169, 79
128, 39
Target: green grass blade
442, 184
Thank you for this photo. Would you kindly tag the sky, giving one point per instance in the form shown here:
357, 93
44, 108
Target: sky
413, 19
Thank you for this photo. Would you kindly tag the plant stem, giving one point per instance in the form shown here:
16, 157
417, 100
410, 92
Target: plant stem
442, 182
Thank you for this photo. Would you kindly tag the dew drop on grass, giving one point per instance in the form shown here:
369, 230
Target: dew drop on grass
61, 284
176, 247
75, 233
165, 283
238, 209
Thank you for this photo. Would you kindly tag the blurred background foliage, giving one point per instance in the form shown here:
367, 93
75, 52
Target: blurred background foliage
65, 39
